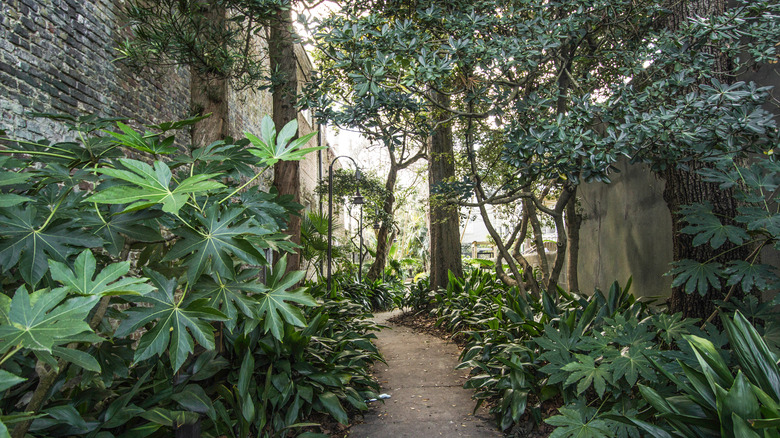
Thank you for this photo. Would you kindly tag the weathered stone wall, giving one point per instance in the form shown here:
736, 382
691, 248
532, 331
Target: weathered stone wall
626, 229
626, 232
57, 56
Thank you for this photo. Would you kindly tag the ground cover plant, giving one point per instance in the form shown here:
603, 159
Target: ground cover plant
611, 364
138, 297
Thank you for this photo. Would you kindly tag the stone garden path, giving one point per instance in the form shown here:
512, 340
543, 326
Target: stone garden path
426, 395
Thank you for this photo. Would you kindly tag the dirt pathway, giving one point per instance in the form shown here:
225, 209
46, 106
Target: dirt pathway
426, 394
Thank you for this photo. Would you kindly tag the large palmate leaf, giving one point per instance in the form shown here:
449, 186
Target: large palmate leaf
8, 178
151, 186
750, 275
706, 227
44, 319
178, 321
230, 295
586, 372
115, 226
274, 305
759, 219
221, 156
29, 242
268, 208
83, 281
631, 363
272, 148
696, 276
220, 238
573, 423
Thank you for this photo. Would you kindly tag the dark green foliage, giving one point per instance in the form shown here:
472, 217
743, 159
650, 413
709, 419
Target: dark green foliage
757, 226
419, 296
188, 32
715, 402
601, 359
138, 297
374, 296
345, 186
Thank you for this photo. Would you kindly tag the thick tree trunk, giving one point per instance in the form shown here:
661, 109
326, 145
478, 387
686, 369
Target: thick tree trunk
209, 94
685, 187
445, 236
573, 223
383, 236
285, 91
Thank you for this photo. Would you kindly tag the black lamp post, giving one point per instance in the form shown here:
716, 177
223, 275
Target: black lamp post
357, 200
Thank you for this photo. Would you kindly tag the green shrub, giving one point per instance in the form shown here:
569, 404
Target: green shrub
374, 296
137, 297
607, 361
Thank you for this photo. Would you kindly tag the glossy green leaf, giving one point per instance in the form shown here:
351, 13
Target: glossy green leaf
245, 374
112, 280
710, 358
77, 357
738, 401
741, 428
221, 237
44, 319
274, 305
7, 380
333, 406
757, 361
194, 398
177, 322
28, 246
151, 186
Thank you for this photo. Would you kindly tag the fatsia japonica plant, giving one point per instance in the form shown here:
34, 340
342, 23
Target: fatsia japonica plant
134, 274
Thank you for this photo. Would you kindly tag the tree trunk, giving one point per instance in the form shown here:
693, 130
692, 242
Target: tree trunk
445, 236
573, 223
209, 94
285, 91
383, 237
685, 187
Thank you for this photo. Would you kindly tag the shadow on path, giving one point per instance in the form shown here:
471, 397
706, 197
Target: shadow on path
427, 395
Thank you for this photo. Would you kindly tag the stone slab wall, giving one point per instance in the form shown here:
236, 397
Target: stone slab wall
626, 232
57, 56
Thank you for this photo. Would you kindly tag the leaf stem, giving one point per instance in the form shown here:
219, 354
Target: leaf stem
48, 154
242, 186
54, 210
10, 353
715, 312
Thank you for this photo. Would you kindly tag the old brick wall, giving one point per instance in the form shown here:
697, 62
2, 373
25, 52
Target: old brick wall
57, 56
